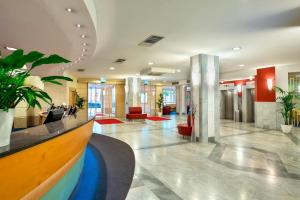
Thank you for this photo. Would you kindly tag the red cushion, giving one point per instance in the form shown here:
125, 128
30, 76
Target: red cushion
136, 116
135, 110
184, 129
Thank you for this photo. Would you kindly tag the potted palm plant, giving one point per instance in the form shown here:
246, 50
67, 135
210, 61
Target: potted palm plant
16, 85
160, 103
79, 101
286, 101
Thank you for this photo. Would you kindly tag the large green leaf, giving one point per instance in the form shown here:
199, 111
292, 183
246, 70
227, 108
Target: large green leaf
14, 57
51, 78
53, 59
29, 58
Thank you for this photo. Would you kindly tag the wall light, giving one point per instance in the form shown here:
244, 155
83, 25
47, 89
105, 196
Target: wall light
270, 84
239, 88
10, 48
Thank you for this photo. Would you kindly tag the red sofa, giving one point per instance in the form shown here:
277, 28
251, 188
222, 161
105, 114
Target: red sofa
166, 110
135, 113
185, 129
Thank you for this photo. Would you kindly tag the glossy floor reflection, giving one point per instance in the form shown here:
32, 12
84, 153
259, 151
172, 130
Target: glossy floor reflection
247, 163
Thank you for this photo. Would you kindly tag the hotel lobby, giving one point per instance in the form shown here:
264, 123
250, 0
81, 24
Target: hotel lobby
150, 100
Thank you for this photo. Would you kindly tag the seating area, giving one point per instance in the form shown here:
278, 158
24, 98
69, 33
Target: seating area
186, 128
135, 113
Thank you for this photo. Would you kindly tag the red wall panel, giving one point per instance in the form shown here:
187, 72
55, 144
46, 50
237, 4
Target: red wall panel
263, 94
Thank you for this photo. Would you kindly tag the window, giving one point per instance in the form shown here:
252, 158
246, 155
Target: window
144, 97
169, 95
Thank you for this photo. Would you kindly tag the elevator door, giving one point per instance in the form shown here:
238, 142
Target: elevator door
250, 105
228, 101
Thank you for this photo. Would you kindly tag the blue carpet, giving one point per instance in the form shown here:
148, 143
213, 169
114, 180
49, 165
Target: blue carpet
92, 182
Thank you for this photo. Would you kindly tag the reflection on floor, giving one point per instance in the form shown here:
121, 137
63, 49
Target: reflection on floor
247, 163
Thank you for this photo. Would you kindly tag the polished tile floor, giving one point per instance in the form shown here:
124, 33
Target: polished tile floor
247, 163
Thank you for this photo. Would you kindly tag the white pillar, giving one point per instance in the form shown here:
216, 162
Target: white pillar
205, 97
132, 92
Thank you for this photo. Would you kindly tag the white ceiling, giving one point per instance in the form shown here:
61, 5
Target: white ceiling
45, 26
267, 30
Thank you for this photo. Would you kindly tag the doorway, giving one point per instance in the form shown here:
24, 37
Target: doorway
101, 100
226, 104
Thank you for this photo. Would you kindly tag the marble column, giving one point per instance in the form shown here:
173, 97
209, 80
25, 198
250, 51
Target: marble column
132, 92
180, 99
205, 97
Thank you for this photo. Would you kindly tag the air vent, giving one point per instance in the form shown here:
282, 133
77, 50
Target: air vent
151, 41
120, 60
80, 70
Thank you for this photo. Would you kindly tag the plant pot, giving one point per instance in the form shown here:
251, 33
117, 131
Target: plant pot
286, 128
6, 123
159, 114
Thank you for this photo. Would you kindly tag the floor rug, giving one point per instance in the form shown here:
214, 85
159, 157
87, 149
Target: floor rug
154, 118
109, 121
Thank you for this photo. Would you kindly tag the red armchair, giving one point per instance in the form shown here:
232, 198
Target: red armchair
166, 110
185, 129
135, 113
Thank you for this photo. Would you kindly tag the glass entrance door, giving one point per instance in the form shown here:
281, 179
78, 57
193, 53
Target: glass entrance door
101, 100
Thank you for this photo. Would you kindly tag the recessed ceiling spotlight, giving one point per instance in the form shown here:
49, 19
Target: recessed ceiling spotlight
10, 48
69, 9
78, 25
84, 44
82, 55
236, 48
82, 36
75, 61
150, 63
251, 78
84, 50
79, 58
112, 68
178, 70
242, 65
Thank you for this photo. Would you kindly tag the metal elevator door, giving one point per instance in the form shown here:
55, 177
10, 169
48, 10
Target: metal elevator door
250, 105
228, 102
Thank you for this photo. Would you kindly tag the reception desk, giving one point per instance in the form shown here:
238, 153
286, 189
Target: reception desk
45, 161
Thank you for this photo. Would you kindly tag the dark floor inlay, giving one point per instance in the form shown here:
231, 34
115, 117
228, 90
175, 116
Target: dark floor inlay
250, 159
155, 185
163, 145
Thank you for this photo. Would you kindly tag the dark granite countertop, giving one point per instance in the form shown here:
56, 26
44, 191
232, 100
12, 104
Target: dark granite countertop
29, 137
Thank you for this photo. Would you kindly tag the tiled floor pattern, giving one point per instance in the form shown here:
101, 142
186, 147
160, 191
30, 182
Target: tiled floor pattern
248, 163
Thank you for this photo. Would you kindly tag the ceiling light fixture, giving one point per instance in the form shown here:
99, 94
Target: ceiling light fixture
236, 48
69, 10
84, 50
242, 65
82, 55
82, 36
150, 63
178, 70
112, 68
84, 44
10, 48
78, 25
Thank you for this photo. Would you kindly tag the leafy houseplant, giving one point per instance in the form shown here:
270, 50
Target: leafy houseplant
79, 101
17, 85
286, 101
159, 103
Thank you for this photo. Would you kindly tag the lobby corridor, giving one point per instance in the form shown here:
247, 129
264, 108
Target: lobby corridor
247, 163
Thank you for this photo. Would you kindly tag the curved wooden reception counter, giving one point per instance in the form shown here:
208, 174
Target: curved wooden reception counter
45, 162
